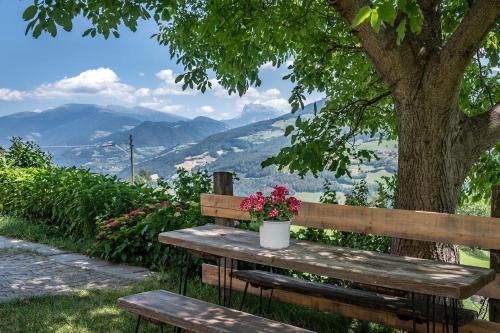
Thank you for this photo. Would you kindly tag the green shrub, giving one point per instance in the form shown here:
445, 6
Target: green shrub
69, 199
133, 237
24, 154
358, 197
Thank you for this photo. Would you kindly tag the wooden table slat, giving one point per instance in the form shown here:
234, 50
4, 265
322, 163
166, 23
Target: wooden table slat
366, 267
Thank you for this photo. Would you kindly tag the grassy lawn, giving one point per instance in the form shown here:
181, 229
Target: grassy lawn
95, 311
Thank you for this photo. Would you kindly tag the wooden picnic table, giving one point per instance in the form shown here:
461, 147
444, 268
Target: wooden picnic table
366, 267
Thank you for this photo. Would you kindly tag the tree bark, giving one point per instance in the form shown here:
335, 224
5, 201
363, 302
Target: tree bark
438, 144
430, 172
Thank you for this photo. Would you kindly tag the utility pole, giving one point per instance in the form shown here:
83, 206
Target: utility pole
132, 172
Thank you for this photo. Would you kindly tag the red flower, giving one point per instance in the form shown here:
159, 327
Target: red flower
274, 213
164, 203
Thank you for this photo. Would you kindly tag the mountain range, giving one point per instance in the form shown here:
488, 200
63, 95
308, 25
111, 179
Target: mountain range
96, 137
242, 150
76, 124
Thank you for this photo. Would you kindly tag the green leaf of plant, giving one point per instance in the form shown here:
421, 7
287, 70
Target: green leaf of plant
375, 20
401, 31
361, 16
289, 130
387, 12
30, 12
416, 24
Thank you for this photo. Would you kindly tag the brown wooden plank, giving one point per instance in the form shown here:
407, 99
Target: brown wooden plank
401, 306
384, 270
209, 276
491, 290
475, 231
199, 316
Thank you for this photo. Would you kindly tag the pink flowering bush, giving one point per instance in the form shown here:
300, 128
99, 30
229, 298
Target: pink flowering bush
275, 207
133, 237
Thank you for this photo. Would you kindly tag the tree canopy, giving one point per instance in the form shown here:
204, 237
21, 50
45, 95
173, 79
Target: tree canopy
356, 52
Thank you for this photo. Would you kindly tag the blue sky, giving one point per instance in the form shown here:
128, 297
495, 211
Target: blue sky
37, 74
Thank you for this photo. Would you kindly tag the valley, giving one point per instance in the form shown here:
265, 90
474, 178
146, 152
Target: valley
97, 137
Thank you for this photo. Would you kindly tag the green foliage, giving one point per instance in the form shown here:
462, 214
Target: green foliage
357, 197
484, 174
188, 186
68, 199
24, 154
480, 208
133, 237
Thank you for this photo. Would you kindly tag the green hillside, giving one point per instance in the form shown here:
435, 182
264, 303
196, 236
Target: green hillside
243, 149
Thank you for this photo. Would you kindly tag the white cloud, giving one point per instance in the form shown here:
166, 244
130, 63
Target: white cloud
163, 105
141, 74
143, 92
100, 81
172, 108
7, 94
271, 97
169, 87
206, 109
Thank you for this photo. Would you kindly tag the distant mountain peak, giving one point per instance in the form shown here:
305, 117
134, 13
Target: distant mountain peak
256, 107
253, 113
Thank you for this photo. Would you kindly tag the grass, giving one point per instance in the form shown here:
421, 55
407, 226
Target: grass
36, 232
474, 257
95, 311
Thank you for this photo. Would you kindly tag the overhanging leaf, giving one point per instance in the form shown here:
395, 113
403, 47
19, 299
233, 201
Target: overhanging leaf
361, 16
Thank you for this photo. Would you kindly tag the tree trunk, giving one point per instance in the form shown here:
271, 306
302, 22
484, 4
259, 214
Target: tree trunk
430, 174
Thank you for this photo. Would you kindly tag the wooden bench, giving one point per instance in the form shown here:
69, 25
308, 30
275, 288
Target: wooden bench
198, 316
471, 231
402, 307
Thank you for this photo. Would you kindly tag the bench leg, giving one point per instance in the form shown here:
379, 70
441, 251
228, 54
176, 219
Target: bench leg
185, 265
138, 324
269, 301
244, 295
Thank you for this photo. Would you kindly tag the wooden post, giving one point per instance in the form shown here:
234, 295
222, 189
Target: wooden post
495, 254
223, 184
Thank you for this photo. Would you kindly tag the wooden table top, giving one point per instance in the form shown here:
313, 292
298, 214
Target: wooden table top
366, 267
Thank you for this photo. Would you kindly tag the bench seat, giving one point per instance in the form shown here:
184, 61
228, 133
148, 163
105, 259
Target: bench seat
199, 316
401, 306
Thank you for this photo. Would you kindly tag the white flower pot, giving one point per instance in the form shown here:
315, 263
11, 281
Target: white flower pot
275, 235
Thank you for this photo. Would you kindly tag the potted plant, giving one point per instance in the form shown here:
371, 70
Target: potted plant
273, 214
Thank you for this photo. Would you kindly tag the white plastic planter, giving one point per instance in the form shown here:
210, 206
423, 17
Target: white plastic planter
275, 235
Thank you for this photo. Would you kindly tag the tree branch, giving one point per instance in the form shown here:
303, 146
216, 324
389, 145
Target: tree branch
482, 132
391, 61
466, 39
